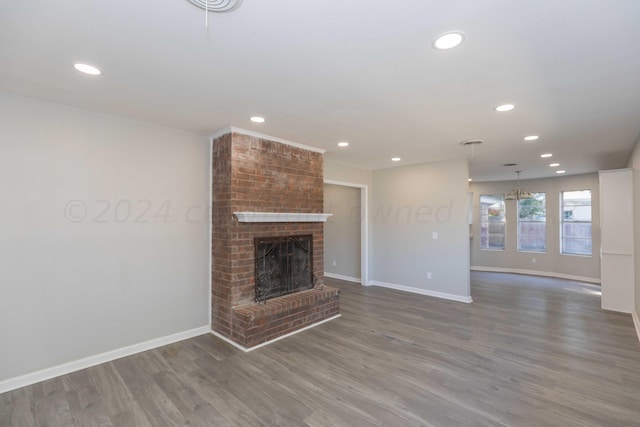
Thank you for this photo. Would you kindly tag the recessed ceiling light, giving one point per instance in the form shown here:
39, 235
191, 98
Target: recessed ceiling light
448, 40
87, 69
560, 171
531, 138
343, 144
395, 159
257, 119
554, 165
505, 107
544, 156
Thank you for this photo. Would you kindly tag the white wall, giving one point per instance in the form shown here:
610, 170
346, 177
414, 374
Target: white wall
342, 231
634, 163
409, 204
551, 262
617, 240
80, 274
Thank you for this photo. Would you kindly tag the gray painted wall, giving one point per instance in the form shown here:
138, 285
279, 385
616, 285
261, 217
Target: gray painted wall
551, 261
342, 231
339, 172
409, 204
104, 233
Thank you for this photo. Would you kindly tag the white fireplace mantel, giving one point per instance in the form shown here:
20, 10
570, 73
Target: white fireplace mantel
281, 217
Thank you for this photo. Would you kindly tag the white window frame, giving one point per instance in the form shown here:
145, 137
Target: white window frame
518, 221
504, 222
562, 221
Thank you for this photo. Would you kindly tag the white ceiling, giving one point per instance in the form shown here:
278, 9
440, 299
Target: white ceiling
362, 71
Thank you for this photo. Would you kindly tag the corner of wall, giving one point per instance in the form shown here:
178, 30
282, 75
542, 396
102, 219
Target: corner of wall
634, 164
636, 322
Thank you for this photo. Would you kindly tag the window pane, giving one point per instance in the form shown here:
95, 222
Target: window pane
532, 236
576, 246
492, 222
576, 205
533, 209
577, 229
576, 222
532, 233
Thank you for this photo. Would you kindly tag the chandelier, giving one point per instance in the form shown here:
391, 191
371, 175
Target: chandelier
518, 193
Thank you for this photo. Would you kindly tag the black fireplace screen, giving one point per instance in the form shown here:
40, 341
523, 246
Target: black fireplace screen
283, 265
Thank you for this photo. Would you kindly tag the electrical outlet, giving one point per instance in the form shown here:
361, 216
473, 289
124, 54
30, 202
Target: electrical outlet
429, 275
533, 260
334, 263
434, 235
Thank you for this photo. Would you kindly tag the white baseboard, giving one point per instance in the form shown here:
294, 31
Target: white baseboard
636, 322
246, 350
87, 362
451, 297
536, 273
341, 277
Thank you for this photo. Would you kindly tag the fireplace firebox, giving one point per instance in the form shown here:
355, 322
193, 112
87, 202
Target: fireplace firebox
283, 265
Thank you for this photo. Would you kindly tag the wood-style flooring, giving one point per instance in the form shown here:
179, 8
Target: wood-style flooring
528, 352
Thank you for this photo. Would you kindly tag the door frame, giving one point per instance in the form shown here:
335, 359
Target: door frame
364, 226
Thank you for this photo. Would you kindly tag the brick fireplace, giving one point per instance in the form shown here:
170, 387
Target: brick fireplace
264, 189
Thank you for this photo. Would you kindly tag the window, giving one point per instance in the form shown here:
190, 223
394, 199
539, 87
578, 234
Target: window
492, 224
575, 230
532, 218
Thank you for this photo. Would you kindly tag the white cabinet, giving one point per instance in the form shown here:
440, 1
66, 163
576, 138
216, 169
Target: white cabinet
616, 253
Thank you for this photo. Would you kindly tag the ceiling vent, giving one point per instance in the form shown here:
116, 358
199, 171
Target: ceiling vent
471, 142
217, 5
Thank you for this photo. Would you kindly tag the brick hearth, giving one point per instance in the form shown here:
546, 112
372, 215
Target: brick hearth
252, 174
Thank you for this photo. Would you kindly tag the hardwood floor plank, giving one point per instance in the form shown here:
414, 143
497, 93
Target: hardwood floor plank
88, 409
229, 406
191, 405
112, 390
132, 418
17, 408
159, 409
54, 409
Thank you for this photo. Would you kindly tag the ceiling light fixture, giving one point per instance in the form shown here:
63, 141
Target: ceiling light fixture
531, 138
448, 40
215, 6
546, 155
343, 144
505, 107
470, 179
561, 172
554, 165
471, 143
87, 69
257, 119
395, 159
518, 193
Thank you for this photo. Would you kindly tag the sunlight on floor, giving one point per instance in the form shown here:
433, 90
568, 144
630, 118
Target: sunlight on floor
597, 292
